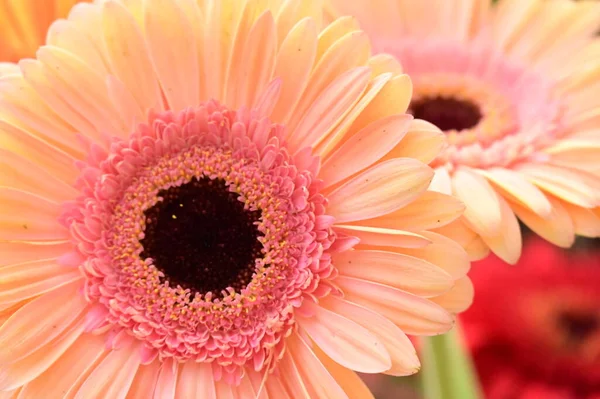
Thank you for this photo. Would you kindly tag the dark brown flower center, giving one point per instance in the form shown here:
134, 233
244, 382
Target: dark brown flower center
577, 327
201, 237
446, 113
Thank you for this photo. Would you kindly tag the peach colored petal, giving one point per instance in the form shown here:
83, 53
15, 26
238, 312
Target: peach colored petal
195, 381
23, 108
145, 379
482, 207
378, 139
21, 252
351, 51
430, 210
508, 243
128, 56
377, 236
392, 99
383, 63
275, 389
113, 376
414, 315
329, 108
379, 20
66, 374
558, 228
27, 217
576, 187
39, 322
171, 44
379, 190
423, 142
442, 252
322, 385
514, 186
65, 35
402, 352
576, 154
334, 32
345, 341
586, 222
293, 11
26, 280
293, 65
23, 175
259, 56
10, 394
459, 298
67, 74
51, 158
404, 272
442, 182
223, 389
511, 16
469, 240
43, 82
8, 68
291, 380
245, 389
341, 132
350, 382
166, 383
23, 371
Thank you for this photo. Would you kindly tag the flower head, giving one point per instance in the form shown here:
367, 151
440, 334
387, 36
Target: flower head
24, 26
542, 340
216, 199
513, 86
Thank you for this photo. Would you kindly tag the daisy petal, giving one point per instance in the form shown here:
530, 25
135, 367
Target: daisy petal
379, 190
379, 137
195, 381
322, 385
508, 243
401, 350
377, 236
459, 298
404, 272
144, 382
27, 217
482, 207
412, 314
345, 341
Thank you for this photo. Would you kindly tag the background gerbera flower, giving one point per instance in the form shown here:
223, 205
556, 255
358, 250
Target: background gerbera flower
24, 27
514, 87
216, 199
534, 330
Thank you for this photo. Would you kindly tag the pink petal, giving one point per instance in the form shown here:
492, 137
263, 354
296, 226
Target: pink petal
414, 315
27, 217
401, 350
384, 237
320, 384
39, 322
112, 378
144, 382
196, 381
379, 190
483, 209
364, 148
167, 380
345, 341
401, 271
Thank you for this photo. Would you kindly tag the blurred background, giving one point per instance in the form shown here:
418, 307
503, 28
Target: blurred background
533, 331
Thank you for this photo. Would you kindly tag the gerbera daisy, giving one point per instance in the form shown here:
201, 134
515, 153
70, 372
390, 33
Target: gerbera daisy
514, 86
24, 26
213, 199
542, 339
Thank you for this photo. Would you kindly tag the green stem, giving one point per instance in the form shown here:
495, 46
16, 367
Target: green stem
448, 371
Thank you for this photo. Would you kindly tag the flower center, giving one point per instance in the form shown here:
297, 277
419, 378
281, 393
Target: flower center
201, 237
447, 113
577, 327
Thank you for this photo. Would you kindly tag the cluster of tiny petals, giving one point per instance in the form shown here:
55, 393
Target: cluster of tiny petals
521, 113
232, 329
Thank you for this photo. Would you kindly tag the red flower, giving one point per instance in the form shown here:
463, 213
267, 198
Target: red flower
534, 329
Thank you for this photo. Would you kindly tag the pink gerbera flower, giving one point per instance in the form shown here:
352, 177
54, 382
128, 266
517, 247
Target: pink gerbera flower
216, 199
514, 86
